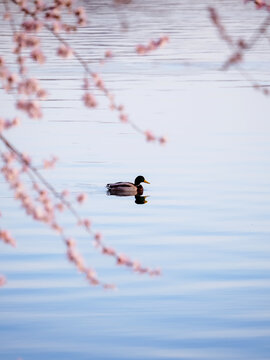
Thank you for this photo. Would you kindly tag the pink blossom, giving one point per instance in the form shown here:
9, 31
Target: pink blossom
81, 16
70, 242
123, 118
49, 164
98, 236
53, 14
8, 157
26, 159
25, 40
108, 54
136, 265
10, 79
122, 259
149, 136
108, 251
68, 28
163, 140
91, 274
76, 258
16, 121
31, 25
89, 100
39, 4
56, 27
98, 81
56, 227
64, 51
153, 45
65, 193
141, 49
7, 238
29, 86
42, 94
31, 107
38, 56
81, 198
86, 223
60, 207
79, 11
7, 124
93, 281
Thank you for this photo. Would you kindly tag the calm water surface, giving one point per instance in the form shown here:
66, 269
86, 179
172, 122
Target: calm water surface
206, 222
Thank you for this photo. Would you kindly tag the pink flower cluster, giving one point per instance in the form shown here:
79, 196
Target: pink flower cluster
64, 51
7, 124
7, 238
89, 100
81, 198
107, 55
50, 164
38, 56
80, 15
31, 86
24, 40
9, 80
31, 107
78, 261
32, 25
151, 137
153, 45
45, 212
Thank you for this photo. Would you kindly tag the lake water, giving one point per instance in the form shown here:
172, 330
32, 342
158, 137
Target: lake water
206, 220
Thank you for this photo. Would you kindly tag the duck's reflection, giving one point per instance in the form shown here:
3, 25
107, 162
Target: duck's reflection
139, 198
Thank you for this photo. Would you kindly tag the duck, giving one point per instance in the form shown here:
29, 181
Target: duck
127, 188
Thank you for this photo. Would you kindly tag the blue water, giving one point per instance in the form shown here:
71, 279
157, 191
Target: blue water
206, 220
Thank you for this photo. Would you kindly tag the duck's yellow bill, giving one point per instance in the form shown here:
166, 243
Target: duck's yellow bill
146, 182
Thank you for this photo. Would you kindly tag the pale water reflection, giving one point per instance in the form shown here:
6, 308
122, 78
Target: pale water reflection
206, 220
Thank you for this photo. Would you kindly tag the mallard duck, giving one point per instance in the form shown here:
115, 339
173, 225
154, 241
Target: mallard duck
127, 188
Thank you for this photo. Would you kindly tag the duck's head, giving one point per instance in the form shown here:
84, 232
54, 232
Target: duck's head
139, 179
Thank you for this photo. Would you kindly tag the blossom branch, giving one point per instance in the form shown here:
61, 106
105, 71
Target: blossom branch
65, 51
240, 47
